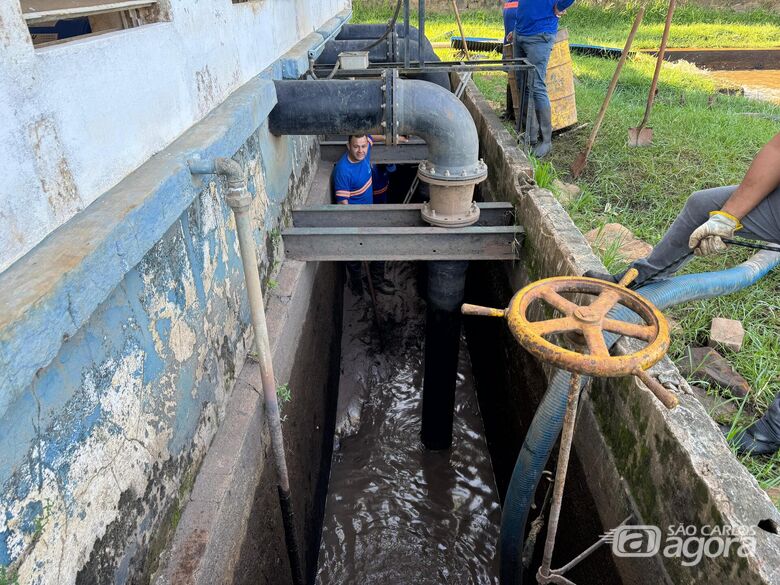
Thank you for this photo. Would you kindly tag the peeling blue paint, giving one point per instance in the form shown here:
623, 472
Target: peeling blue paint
69, 387
31, 512
5, 555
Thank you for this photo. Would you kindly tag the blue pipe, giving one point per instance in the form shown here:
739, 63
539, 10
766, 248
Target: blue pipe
548, 420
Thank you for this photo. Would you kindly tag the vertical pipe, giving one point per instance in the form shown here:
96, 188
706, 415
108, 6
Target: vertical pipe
239, 199
406, 34
420, 29
446, 283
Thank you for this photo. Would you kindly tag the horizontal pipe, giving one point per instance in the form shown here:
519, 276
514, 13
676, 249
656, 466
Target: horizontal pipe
327, 107
315, 50
382, 53
307, 107
372, 32
379, 54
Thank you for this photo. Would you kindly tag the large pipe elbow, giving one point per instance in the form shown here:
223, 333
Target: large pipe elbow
416, 107
435, 114
395, 106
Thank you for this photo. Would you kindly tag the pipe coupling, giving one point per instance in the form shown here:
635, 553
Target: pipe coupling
237, 196
451, 197
442, 175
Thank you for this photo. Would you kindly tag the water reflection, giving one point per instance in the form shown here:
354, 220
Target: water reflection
396, 513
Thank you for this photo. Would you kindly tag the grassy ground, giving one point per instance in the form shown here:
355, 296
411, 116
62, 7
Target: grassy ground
702, 139
694, 26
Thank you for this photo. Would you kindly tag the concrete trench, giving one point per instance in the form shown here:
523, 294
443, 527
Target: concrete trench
630, 455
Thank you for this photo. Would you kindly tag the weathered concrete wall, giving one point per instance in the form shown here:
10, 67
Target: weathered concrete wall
77, 117
230, 530
121, 336
666, 467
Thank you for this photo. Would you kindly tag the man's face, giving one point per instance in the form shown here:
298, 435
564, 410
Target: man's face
358, 148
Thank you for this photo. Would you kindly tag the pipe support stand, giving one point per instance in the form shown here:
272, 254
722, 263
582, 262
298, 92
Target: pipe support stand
567, 436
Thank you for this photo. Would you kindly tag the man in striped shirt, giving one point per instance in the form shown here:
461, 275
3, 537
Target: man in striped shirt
352, 175
352, 182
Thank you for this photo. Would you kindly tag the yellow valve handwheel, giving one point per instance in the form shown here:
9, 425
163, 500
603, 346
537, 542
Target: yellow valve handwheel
591, 321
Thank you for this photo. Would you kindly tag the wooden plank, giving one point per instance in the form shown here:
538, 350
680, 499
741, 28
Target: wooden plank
47, 10
402, 243
390, 215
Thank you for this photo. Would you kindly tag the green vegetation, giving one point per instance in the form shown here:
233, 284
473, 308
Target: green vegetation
42, 519
702, 138
544, 172
594, 23
8, 576
283, 393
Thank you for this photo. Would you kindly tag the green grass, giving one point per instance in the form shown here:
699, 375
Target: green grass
702, 139
8, 577
693, 26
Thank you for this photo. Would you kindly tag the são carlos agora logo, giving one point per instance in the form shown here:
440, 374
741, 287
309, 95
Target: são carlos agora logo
689, 543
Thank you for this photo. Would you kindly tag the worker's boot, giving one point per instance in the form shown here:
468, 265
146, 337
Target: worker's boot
533, 129
544, 116
763, 436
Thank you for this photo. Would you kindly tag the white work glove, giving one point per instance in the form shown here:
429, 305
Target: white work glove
706, 239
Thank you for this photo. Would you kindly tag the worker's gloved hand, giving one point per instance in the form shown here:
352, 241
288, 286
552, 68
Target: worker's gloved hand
706, 239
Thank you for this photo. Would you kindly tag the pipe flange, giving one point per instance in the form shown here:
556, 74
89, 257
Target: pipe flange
467, 218
438, 175
392, 43
390, 91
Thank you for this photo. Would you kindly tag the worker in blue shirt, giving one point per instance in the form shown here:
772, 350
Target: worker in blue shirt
353, 185
533, 37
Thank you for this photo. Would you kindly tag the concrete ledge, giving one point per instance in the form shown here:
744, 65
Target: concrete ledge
48, 294
668, 467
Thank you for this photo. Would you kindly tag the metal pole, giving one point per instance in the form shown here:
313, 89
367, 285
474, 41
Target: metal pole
239, 200
446, 285
544, 575
420, 28
406, 34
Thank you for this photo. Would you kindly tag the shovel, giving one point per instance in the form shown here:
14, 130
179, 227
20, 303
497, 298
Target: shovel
642, 136
582, 159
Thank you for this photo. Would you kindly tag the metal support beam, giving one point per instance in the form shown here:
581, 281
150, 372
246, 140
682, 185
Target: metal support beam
402, 243
390, 215
413, 152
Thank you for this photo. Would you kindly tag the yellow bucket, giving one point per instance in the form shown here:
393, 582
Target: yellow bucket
560, 83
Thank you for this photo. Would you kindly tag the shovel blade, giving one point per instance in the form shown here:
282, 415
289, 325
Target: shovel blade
579, 164
640, 136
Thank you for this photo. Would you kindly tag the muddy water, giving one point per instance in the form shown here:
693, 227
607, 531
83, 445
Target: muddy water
396, 513
760, 84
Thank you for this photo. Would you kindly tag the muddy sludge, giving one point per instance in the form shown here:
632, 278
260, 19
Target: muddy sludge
396, 512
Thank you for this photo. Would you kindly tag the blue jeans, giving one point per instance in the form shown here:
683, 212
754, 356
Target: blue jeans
537, 49
672, 252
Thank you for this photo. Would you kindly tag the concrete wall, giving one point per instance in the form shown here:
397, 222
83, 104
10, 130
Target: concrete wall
121, 335
665, 467
77, 117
